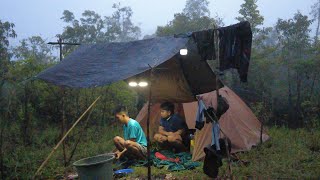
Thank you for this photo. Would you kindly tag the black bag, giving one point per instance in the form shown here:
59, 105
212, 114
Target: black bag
212, 162
214, 115
213, 158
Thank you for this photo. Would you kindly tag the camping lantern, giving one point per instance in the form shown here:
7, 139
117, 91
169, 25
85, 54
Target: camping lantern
133, 84
143, 84
140, 84
183, 52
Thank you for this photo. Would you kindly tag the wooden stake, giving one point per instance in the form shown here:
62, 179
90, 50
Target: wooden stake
63, 127
217, 93
56, 147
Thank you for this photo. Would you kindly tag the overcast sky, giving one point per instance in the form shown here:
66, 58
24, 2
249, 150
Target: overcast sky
42, 17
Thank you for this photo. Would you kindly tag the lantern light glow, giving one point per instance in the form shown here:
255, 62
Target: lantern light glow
183, 52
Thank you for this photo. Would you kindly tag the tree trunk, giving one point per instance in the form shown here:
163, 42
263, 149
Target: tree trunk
26, 120
105, 107
298, 102
290, 98
312, 86
261, 129
3, 119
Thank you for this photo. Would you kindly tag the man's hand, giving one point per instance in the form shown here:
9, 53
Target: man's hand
118, 154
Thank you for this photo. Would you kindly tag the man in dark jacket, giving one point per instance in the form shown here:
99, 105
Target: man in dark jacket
172, 130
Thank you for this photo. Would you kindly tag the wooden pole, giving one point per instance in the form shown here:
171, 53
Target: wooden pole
217, 93
148, 125
63, 121
56, 147
261, 131
262, 117
63, 127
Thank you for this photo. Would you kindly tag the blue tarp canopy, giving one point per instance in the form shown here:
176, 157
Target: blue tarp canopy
177, 78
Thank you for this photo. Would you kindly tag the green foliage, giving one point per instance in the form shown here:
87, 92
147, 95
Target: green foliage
283, 72
92, 28
36, 48
294, 33
195, 17
315, 12
32, 111
249, 12
195, 9
6, 32
21, 162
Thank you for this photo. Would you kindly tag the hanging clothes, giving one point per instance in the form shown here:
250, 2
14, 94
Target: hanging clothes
200, 115
216, 135
205, 44
200, 123
235, 48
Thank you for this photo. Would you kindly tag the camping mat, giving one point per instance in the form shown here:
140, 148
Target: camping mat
185, 162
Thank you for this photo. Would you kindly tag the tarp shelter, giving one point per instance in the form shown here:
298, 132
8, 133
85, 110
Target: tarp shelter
238, 123
177, 78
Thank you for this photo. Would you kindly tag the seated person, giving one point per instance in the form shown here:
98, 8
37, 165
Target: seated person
133, 145
172, 130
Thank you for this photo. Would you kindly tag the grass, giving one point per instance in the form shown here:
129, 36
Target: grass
293, 154
21, 162
288, 154
141, 172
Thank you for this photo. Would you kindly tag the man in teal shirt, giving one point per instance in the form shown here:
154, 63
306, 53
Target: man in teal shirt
134, 143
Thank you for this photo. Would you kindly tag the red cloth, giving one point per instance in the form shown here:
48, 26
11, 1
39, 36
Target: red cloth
163, 157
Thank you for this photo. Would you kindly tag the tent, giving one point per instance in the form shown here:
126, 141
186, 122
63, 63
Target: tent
238, 123
176, 78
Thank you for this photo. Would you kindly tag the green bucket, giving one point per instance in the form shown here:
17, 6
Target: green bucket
96, 167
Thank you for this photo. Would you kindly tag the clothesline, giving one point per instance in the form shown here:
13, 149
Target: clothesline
234, 47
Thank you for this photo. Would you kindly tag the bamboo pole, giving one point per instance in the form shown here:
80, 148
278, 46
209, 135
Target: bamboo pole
56, 147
